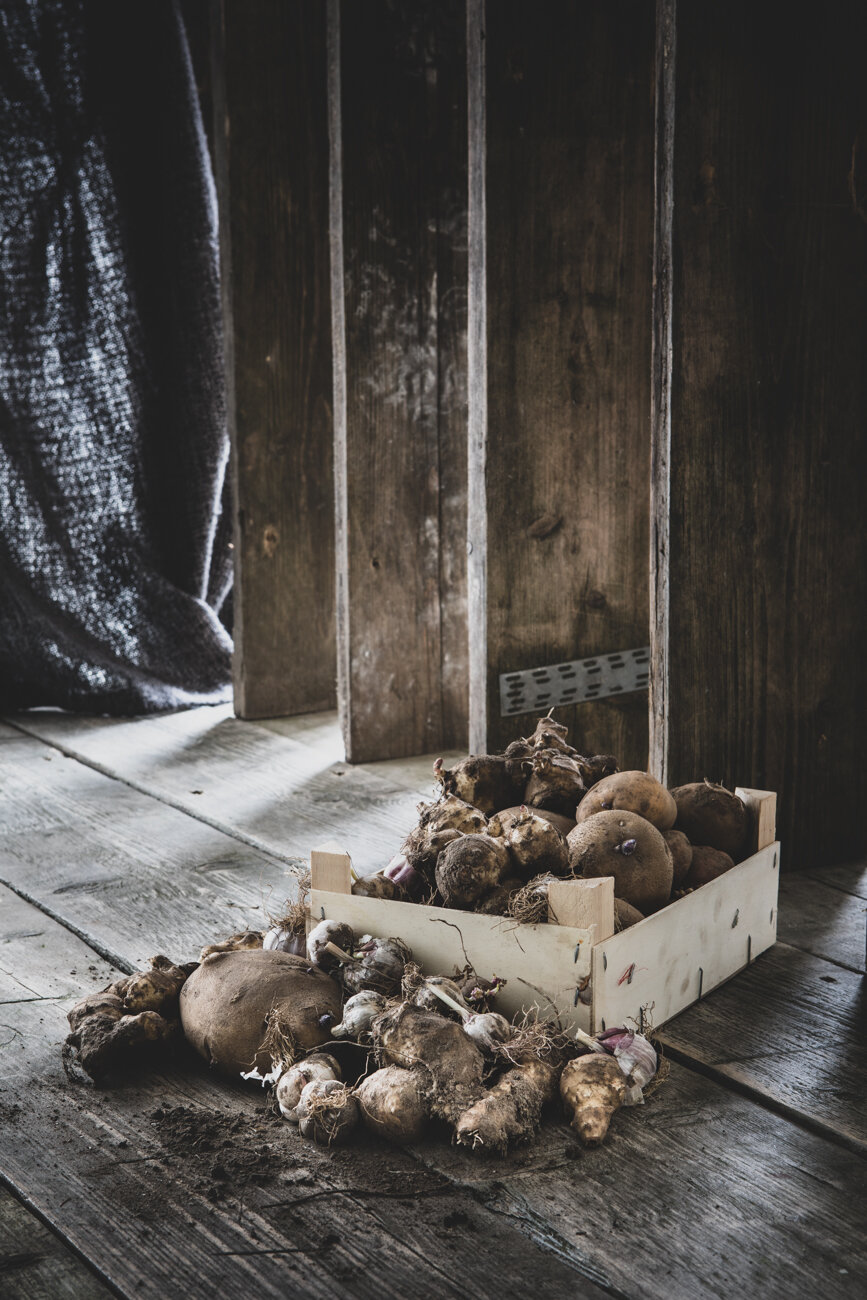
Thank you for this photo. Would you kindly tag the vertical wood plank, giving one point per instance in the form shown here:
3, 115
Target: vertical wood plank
272, 169
583, 903
400, 307
568, 105
769, 407
660, 416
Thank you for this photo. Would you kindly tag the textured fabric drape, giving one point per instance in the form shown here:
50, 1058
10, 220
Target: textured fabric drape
114, 530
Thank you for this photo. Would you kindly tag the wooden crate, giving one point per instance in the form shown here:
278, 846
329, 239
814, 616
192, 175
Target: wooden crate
582, 971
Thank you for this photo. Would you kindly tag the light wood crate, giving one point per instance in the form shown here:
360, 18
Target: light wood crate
583, 973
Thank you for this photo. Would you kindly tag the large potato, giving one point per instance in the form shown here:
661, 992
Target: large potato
226, 1002
627, 847
636, 792
709, 814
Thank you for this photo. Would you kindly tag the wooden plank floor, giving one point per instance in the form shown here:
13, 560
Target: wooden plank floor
118, 839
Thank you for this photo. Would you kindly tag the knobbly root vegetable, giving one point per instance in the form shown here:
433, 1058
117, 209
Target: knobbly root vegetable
592, 1088
393, 1105
557, 783
335, 933
245, 939
359, 1013
497, 903
471, 867
551, 735
501, 821
327, 1112
625, 915
711, 815
96, 1004
635, 792
236, 1000
511, 1111
413, 868
536, 846
154, 990
292, 1083
484, 780
681, 856
625, 846
707, 865
598, 768
104, 1042
450, 1064
380, 968
451, 814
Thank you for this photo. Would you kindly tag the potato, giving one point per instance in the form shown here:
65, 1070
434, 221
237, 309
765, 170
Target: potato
625, 915
711, 815
226, 1003
627, 847
635, 792
681, 855
707, 864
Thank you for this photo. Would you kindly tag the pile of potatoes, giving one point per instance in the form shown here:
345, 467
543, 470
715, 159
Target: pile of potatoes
504, 822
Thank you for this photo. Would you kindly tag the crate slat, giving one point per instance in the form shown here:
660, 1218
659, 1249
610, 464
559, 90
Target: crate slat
670, 959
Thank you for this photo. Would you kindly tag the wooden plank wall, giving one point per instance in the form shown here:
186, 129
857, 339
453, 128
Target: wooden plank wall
399, 284
768, 576
559, 471
271, 145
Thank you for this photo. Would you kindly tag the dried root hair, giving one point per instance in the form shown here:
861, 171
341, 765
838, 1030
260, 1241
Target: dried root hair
325, 1110
529, 906
293, 916
279, 1041
535, 1039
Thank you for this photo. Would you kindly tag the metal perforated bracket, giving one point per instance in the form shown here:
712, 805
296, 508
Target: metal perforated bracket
541, 689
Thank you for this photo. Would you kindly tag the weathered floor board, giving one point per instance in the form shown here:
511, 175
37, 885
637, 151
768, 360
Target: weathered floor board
138, 875
436, 1222
793, 1029
282, 787
154, 1221
823, 920
35, 1264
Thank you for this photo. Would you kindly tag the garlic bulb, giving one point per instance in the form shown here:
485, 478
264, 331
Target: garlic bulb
296, 1078
327, 1112
426, 997
380, 967
636, 1057
328, 932
281, 939
359, 1013
488, 1030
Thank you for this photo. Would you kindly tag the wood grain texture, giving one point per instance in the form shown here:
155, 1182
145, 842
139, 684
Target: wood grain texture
569, 106
403, 302
790, 1029
274, 209
822, 920
661, 371
35, 1264
162, 1222
780, 1203
769, 404
276, 787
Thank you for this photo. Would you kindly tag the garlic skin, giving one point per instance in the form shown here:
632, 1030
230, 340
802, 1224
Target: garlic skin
380, 968
636, 1057
359, 1013
281, 939
327, 1112
425, 997
488, 1030
295, 1080
326, 932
